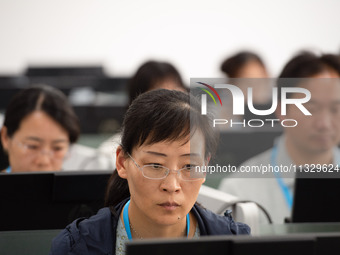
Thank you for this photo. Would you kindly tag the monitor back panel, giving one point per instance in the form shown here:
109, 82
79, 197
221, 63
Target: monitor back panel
316, 200
49, 200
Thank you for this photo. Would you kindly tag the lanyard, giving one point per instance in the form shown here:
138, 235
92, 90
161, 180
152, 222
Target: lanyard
127, 221
284, 188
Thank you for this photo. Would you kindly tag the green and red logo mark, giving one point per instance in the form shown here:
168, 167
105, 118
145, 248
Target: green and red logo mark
209, 93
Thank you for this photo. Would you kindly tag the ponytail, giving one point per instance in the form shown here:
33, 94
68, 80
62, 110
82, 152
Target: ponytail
116, 191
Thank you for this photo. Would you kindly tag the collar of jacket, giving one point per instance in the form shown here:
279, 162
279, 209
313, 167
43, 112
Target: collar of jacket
97, 230
209, 223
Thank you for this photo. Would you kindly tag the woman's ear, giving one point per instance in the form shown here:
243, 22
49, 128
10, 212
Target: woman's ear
121, 162
208, 159
4, 138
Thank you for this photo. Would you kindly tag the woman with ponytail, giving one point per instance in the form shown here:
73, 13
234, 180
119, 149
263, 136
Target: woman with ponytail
165, 143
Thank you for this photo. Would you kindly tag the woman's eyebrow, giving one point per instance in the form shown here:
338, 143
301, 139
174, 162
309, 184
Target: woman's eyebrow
60, 141
34, 138
37, 139
164, 155
156, 153
191, 155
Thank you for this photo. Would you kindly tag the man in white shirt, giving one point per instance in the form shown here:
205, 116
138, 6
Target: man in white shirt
313, 141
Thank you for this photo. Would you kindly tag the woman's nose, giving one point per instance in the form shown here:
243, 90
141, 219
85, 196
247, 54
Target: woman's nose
171, 183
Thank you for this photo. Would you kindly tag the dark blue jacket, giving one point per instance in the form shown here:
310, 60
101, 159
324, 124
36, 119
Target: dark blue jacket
97, 235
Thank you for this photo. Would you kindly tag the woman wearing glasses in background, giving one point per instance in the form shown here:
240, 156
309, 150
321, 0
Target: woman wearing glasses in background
38, 129
153, 191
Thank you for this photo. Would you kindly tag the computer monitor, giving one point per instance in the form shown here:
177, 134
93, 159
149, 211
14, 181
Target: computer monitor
225, 245
236, 146
278, 245
113, 84
202, 246
30, 201
104, 118
327, 243
34, 71
316, 199
9, 86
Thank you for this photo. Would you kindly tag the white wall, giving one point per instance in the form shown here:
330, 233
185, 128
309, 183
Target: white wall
194, 35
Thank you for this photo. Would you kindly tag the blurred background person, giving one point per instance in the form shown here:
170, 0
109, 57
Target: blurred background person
246, 69
247, 64
244, 64
154, 75
149, 76
313, 141
39, 133
38, 129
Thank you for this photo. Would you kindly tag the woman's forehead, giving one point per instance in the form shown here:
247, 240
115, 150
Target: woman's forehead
185, 146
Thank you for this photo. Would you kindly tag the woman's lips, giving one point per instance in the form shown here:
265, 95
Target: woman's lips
169, 205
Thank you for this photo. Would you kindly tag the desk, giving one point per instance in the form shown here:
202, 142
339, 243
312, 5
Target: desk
30, 242
36, 242
297, 228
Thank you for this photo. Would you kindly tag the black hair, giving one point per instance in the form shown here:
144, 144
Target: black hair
304, 65
155, 116
232, 65
43, 98
149, 74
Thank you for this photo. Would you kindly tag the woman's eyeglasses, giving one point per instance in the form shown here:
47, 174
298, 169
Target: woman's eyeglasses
57, 152
158, 172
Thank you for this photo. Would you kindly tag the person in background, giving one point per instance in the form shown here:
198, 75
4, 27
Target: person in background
149, 76
313, 141
245, 70
244, 64
152, 194
38, 128
154, 75
248, 65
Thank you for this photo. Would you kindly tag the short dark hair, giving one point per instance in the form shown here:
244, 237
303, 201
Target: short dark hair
233, 64
149, 74
155, 116
44, 98
305, 65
